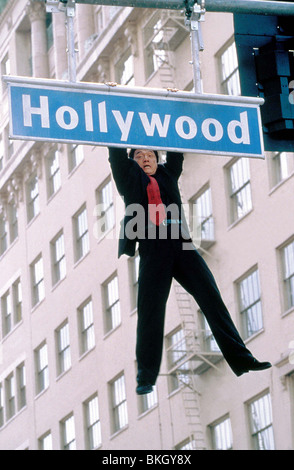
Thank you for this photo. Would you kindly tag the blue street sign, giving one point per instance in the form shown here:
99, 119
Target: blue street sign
85, 113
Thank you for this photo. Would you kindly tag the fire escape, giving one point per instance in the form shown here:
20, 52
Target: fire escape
194, 352
166, 32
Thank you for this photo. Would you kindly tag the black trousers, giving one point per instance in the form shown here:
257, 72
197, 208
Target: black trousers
161, 260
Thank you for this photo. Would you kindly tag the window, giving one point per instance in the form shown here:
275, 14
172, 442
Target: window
288, 275
86, 322
12, 221
49, 30
203, 223
75, 157
260, 416
222, 435
93, 425
250, 304
209, 342
119, 403
148, 401
21, 386
45, 442
1, 406
17, 301
13, 393
282, 166
10, 396
187, 444
11, 307
58, 258
176, 355
3, 233
124, 69
153, 37
240, 189
81, 234
42, 368
6, 310
104, 209
112, 313
1, 153
37, 276
68, 433
63, 348
53, 174
134, 276
230, 81
33, 203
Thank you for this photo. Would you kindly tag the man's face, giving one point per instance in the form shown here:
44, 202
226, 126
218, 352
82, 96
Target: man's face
146, 159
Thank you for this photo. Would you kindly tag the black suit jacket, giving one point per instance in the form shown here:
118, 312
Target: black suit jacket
131, 182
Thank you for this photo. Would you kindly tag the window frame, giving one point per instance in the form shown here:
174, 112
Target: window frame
234, 215
81, 233
37, 284
257, 302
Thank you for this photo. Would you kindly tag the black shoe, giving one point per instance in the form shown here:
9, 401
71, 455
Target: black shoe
143, 389
255, 365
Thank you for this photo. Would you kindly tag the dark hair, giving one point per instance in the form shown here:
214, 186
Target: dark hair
132, 153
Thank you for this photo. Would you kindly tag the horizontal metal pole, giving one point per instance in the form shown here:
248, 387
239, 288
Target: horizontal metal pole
259, 7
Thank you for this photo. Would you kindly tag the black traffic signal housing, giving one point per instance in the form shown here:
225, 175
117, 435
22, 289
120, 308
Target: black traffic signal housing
265, 48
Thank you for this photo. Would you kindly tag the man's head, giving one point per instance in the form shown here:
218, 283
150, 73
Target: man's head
146, 159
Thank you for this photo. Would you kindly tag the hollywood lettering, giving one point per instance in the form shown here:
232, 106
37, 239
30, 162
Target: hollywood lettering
96, 117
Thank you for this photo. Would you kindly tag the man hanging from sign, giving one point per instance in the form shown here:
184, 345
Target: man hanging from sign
166, 252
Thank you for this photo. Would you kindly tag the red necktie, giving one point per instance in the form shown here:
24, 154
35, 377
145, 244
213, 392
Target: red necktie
156, 207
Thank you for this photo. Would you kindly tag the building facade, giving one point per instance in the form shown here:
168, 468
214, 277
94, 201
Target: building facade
68, 304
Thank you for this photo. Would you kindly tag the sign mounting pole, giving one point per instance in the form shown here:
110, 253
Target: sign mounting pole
70, 14
69, 8
193, 20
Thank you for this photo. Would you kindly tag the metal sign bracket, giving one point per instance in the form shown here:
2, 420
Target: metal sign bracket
69, 8
195, 15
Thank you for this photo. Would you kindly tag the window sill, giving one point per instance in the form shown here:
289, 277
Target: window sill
84, 354
280, 183
62, 374
57, 284
80, 260
109, 234
146, 412
12, 418
236, 222
10, 246
252, 337
37, 305
13, 329
32, 220
116, 433
41, 393
133, 312
111, 331
52, 196
73, 170
288, 312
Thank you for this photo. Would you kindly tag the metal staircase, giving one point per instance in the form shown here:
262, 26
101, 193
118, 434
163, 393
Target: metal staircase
192, 409
193, 359
172, 31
